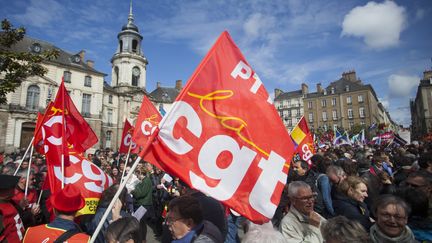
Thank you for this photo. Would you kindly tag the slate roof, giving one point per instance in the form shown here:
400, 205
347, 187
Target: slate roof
27, 44
164, 94
289, 95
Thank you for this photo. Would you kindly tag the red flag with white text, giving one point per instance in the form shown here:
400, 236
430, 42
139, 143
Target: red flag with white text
224, 137
86, 176
63, 127
147, 122
127, 140
303, 140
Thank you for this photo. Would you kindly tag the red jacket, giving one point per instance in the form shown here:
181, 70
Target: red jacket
13, 226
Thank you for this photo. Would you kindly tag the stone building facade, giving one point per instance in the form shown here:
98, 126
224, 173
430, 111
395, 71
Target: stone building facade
421, 108
343, 103
104, 106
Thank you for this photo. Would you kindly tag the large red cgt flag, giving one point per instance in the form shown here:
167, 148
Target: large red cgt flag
86, 176
303, 140
63, 128
127, 139
224, 137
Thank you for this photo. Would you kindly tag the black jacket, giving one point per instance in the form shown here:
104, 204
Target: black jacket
352, 209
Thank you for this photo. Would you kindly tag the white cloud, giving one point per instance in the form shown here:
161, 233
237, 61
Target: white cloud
379, 24
41, 13
402, 85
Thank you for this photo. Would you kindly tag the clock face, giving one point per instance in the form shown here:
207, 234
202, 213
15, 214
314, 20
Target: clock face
76, 59
136, 71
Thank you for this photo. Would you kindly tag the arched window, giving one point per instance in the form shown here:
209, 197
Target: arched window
32, 102
136, 72
134, 46
116, 71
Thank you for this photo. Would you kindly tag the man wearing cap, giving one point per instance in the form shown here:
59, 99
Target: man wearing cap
65, 203
11, 227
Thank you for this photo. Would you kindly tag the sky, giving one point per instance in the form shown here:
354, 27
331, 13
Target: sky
286, 42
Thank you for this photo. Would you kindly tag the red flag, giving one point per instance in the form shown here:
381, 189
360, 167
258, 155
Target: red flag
63, 127
223, 135
127, 139
85, 175
303, 140
146, 124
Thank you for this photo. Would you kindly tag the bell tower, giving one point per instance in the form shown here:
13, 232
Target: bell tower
129, 64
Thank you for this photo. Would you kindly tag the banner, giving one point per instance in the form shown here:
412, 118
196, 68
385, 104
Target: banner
224, 137
127, 139
146, 124
303, 140
83, 174
63, 128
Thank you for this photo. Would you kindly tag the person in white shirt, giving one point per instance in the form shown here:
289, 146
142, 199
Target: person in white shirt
301, 223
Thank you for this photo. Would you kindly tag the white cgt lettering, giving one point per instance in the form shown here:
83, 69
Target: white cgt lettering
147, 128
166, 133
272, 173
68, 180
230, 177
128, 140
307, 154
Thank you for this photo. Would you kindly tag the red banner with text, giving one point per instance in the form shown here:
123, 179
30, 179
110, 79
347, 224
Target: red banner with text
224, 137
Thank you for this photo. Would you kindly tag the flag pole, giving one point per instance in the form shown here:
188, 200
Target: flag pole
127, 160
63, 135
122, 185
28, 172
25, 154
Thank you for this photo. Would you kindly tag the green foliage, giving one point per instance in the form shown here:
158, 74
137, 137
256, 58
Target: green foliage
356, 129
15, 67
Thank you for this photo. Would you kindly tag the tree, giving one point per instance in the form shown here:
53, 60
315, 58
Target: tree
15, 67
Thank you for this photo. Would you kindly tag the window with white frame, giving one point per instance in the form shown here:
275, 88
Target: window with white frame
110, 99
310, 117
86, 102
110, 116
362, 112
323, 103
310, 104
347, 88
32, 101
289, 103
294, 113
87, 81
324, 116
334, 115
350, 113
67, 76
360, 98
349, 100
332, 90
335, 126
108, 135
333, 101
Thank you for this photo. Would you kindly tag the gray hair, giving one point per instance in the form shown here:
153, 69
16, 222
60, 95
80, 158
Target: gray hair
23, 173
342, 229
294, 187
263, 234
336, 169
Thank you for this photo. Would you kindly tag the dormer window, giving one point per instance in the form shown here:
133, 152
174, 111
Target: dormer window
347, 88
87, 81
67, 76
332, 90
76, 59
36, 48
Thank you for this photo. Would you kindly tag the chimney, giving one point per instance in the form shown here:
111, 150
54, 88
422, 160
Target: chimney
82, 55
304, 88
319, 88
350, 76
427, 74
178, 85
277, 92
158, 85
90, 63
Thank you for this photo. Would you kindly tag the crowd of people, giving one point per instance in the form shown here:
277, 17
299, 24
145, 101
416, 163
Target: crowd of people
362, 193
